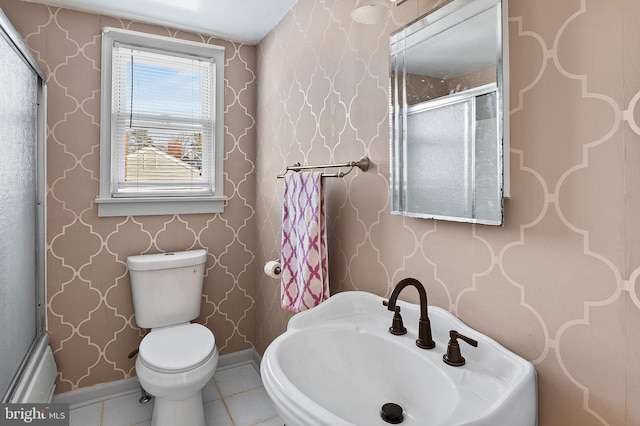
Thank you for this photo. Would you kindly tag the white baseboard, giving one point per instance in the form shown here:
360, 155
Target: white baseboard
91, 395
241, 357
87, 396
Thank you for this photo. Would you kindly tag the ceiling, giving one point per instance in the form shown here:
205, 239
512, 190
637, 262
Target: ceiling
468, 45
246, 21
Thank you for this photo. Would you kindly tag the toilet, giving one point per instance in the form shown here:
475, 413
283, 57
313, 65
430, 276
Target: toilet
176, 359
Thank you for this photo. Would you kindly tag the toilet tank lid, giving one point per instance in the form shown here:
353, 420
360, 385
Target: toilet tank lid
149, 262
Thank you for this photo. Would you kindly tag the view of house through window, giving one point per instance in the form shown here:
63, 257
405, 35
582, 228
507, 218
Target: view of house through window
162, 115
141, 159
154, 159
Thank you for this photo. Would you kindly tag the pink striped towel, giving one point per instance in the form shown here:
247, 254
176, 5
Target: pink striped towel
305, 282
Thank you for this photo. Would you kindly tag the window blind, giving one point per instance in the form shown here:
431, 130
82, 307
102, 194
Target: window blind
162, 118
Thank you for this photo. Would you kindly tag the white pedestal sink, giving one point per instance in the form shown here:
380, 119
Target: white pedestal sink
337, 364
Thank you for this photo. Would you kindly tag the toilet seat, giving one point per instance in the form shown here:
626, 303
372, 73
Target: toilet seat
177, 348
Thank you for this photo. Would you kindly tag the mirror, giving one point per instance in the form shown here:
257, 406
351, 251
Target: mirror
448, 133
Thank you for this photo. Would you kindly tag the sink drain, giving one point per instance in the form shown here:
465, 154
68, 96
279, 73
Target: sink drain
391, 413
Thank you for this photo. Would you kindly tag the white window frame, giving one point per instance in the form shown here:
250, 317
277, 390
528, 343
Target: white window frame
110, 205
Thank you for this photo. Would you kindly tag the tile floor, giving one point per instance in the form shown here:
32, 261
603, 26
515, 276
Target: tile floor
235, 397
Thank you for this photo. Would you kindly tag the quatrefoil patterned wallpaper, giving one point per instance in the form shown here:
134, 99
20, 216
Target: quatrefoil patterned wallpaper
90, 311
558, 284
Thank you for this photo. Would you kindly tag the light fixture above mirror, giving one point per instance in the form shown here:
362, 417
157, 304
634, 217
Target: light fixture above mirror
371, 11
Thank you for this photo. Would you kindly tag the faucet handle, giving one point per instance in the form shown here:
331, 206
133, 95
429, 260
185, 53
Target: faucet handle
453, 355
397, 326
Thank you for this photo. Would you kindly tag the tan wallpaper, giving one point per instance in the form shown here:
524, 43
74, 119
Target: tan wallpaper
558, 284
90, 312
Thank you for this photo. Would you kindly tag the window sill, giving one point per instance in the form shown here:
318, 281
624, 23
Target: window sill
109, 207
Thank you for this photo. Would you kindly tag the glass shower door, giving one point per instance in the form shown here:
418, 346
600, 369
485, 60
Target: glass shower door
22, 319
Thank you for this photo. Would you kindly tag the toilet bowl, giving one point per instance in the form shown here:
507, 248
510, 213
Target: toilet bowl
174, 364
177, 358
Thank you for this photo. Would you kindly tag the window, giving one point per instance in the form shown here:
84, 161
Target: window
161, 138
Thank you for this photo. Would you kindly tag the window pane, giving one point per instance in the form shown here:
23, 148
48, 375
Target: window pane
162, 123
165, 85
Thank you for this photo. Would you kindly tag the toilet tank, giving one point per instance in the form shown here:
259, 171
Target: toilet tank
166, 287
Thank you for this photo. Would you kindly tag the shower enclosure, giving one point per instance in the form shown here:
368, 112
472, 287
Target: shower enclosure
27, 369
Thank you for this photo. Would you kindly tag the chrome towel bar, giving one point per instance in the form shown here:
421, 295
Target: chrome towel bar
362, 164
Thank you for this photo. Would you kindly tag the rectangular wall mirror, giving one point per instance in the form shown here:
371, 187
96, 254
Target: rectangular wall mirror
449, 147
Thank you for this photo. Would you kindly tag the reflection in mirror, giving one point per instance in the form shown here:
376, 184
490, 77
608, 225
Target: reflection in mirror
447, 127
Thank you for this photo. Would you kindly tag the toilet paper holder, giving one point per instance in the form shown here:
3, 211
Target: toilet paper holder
273, 268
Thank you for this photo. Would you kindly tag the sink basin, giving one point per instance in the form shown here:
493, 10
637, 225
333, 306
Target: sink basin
337, 364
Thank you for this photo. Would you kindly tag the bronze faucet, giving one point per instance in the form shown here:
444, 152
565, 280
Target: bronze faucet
425, 341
